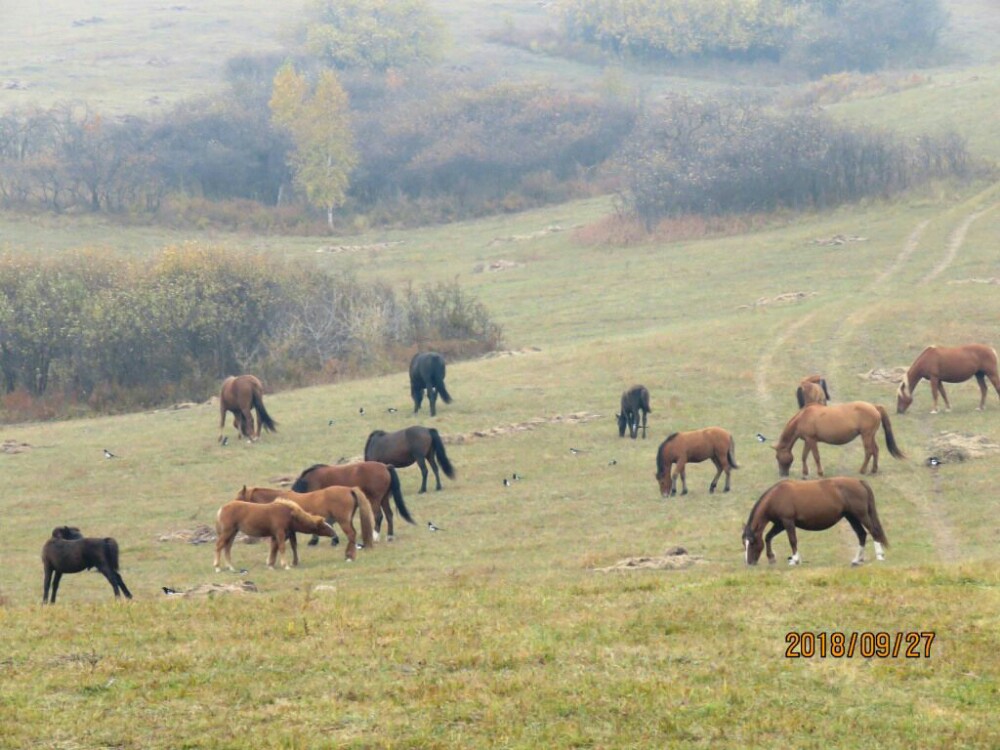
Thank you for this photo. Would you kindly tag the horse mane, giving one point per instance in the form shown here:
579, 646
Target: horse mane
756, 505
659, 454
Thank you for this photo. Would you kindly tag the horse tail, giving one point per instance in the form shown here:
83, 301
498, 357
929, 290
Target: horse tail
645, 401
367, 517
442, 457
301, 484
890, 439
111, 552
397, 494
257, 402
731, 453
438, 378
878, 533
800, 394
822, 382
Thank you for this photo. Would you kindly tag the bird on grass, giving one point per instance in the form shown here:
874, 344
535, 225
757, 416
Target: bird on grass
171, 592
432, 527
761, 438
109, 454
613, 462
506, 482
392, 410
330, 423
361, 411
516, 477
933, 461
225, 441
575, 451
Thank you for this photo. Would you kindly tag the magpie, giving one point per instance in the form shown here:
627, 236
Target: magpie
761, 438
613, 462
574, 451
109, 454
392, 410
330, 423
506, 482
432, 527
515, 476
225, 441
361, 411
933, 461
171, 592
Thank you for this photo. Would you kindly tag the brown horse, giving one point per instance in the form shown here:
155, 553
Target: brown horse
955, 364
332, 503
695, 446
404, 447
277, 520
813, 506
375, 479
838, 424
634, 401
68, 551
812, 390
239, 395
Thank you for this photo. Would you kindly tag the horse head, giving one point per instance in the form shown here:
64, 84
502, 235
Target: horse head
785, 458
665, 483
66, 532
621, 424
753, 545
903, 399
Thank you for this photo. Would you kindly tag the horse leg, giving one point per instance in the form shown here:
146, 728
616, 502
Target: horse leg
224, 545
432, 397
643, 424
47, 584
437, 476
981, 380
423, 473
122, 586
995, 379
859, 529
386, 506
352, 539
871, 451
935, 387
944, 395
418, 399
805, 455
776, 529
55, 585
682, 470
294, 542
793, 541
718, 473
107, 572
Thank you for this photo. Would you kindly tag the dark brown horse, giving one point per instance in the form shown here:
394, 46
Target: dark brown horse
813, 506
239, 395
634, 401
812, 390
942, 365
278, 520
682, 448
837, 425
427, 371
375, 479
68, 551
332, 503
404, 447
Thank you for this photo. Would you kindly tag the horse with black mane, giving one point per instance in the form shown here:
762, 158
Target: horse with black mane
240, 394
634, 401
404, 447
427, 371
955, 364
68, 551
378, 481
813, 506
812, 390
682, 448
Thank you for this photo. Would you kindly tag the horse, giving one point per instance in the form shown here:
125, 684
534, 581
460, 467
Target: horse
955, 364
812, 390
427, 372
239, 395
813, 506
634, 400
695, 446
278, 520
837, 424
404, 447
375, 479
68, 551
332, 503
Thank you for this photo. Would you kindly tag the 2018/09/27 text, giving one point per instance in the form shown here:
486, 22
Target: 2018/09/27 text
868, 644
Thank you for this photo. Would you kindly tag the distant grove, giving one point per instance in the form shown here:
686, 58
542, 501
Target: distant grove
404, 138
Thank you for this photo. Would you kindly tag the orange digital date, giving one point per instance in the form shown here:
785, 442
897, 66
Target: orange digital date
912, 644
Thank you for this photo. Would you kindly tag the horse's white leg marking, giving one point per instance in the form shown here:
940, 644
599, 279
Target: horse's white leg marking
879, 552
375, 536
860, 557
794, 559
746, 551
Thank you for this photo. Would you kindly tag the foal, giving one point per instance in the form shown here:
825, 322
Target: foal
68, 551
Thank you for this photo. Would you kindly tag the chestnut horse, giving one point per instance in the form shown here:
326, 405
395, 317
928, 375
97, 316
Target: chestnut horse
332, 503
954, 364
427, 371
812, 390
813, 506
634, 400
415, 444
375, 479
239, 395
695, 446
837, 425
277, 520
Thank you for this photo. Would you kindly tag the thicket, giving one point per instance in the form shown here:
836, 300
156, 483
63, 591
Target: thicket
115, 333
723, 158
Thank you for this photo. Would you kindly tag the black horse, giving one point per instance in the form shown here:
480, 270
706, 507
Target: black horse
404, 447
68, 551
427, 372
634, 400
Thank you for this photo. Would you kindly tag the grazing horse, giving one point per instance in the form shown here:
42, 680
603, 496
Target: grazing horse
427, 372
68, 551
812, 390
375, 479
239, 395
634, 400
813, 506
695, 446
838, 424
277, 520
332, 503
404, 447
942, 365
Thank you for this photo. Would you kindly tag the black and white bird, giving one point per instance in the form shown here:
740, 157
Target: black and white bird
761, 438
613, 462
575, 451
330, 423
506, 482
225, 441
361, 411
516, 477
171, 592
933, 461
392, 410
109, 454
432, 527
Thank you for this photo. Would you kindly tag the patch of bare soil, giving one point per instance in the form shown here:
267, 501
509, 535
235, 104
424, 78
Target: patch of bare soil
202, 534
675, 558
13, 446
779, 299
336, 249
214, 589
551, 229
511, 352
580, 417
496, 265
953, 447
837, 239
884, 375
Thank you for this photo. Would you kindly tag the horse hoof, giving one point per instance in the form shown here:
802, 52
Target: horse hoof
313, 542
349, 559
880, 557
857, 563
684, 492
334, 541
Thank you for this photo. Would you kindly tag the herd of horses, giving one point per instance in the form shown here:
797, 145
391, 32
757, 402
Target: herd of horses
323, 494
